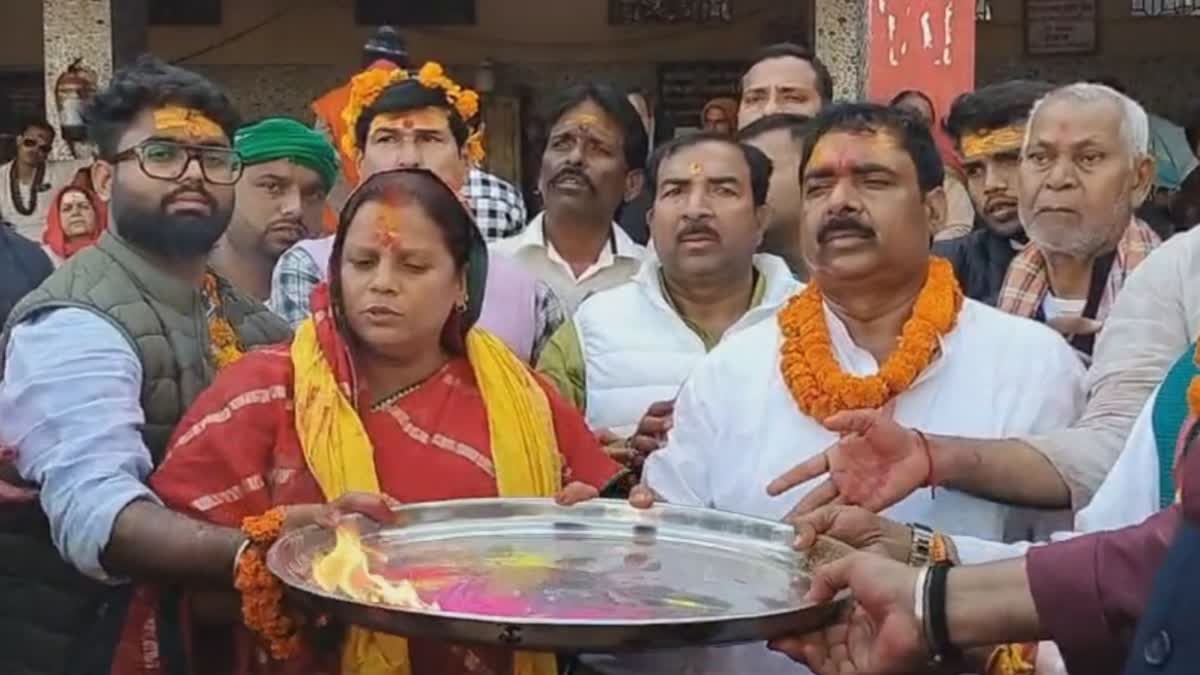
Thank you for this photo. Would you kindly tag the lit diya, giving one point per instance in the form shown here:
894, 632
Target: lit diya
530, 575
345, 569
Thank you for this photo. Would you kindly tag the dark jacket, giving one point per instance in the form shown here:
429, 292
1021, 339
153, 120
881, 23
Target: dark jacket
23, 267
1168, 635
980, 261
632, 217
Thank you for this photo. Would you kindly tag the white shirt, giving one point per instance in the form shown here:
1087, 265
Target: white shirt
617, 263
70, 404
737, 428
33, 225
1128, 495
1054, 307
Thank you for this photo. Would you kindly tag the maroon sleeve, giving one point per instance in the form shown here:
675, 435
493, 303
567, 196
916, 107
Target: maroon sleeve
1090, 591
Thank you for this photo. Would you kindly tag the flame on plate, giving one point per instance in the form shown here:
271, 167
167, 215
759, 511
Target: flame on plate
345, 569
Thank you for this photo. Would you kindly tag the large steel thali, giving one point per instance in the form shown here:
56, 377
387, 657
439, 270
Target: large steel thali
600, 576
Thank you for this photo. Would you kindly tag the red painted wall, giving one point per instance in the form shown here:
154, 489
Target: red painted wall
921, 44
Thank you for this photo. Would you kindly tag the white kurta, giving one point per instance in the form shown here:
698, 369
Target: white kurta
737, 428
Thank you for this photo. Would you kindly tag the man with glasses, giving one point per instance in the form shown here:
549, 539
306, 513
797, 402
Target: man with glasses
99, 364
28, 183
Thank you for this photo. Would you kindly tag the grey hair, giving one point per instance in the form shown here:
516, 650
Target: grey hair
1135, 124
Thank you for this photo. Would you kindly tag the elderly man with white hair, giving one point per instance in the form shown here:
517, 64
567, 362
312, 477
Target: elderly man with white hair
1084, 168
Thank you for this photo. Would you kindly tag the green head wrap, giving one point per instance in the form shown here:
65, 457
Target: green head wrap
285, 138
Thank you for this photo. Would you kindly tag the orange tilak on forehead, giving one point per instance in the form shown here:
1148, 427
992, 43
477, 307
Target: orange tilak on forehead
424, 118
991, 142
582, 120
188, 122
843, 153
387, 226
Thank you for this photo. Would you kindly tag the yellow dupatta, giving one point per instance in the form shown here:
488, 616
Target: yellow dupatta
340, 456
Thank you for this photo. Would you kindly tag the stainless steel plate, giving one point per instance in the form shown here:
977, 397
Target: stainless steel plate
597, 577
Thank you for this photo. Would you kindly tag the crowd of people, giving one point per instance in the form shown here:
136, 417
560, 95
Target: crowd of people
953, 344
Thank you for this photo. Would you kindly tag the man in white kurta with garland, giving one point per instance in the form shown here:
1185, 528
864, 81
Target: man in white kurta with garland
882, 324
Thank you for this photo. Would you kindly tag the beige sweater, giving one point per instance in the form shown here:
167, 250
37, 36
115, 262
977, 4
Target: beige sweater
1155, 318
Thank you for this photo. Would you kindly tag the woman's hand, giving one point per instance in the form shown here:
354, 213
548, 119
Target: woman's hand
576, 493
376, 507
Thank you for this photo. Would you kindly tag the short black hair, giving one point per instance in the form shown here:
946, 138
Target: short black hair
1191, 125
409, 95
906, 127
994, 107
32, 122
758, 163
613, 101
796, 124
150, 82
782, 50
909, 93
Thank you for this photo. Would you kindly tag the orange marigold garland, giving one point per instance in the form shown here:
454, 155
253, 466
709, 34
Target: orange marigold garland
223, 340
262, 592
366, 87
1013, 659
815, 379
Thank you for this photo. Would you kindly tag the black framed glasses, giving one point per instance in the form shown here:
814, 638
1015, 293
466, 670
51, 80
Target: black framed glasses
167, 160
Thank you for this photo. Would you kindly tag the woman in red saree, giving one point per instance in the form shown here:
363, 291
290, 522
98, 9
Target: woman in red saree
388, 365
75, 221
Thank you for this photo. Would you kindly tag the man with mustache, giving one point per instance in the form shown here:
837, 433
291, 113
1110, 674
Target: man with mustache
988, 127
705, 285
414, 121
289, 169
29, 182
100, 362
593, 163
882, 324
1086, 167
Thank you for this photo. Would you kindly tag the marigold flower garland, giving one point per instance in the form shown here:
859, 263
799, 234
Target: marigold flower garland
815, 379
262, 592
366, 87
1013, 659
223, 340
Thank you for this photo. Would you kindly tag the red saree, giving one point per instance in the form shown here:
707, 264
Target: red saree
236, 453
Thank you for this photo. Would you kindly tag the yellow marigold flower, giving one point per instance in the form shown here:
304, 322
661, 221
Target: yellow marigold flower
468, 104
432, 75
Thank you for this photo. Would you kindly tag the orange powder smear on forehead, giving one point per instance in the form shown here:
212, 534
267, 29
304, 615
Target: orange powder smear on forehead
423, 118
387, 226
583, 120
190, 122
845, 150
990, 142
696, 168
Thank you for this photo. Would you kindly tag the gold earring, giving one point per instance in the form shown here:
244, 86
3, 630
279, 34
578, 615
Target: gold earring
460, 306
